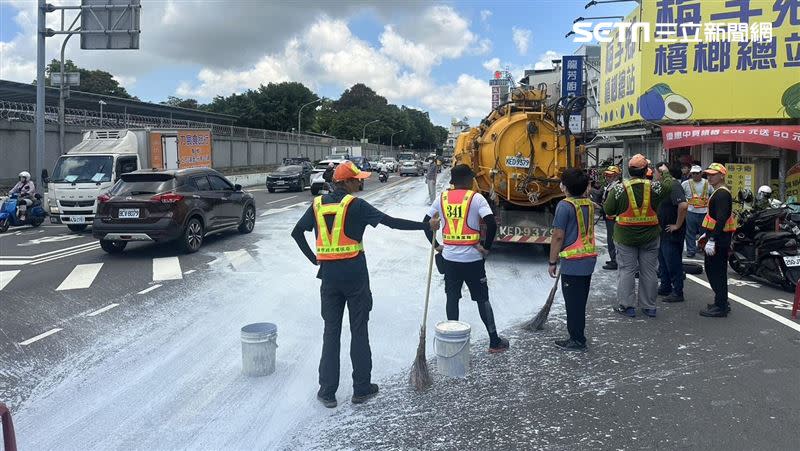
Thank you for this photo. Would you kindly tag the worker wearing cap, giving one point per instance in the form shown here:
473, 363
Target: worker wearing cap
339, 219
636, 235
697, 191
613, 175
719, 225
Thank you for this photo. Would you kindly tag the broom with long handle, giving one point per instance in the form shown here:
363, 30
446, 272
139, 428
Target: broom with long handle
420, 376
537, 323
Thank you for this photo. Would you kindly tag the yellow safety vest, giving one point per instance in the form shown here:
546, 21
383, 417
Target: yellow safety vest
698, 201
334, 245
709, 223
584, 245
455, 207
634, 215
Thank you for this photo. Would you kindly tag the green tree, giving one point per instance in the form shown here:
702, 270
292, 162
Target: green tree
94, 81
274, 106
181, 103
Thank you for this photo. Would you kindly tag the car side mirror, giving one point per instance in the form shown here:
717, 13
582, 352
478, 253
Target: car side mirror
237, 187
45, 176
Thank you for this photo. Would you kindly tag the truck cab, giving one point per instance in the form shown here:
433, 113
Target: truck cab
88, 170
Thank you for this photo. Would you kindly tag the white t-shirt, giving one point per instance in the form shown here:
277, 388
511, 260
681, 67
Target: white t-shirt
478, 208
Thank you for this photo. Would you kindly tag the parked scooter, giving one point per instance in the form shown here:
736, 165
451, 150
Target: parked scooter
766, 245
8, 213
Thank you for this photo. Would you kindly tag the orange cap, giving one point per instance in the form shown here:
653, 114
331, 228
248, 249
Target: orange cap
348, 170
611, 170
714, 168
637, 161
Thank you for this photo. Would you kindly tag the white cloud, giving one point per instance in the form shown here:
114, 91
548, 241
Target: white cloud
492, 64
522, 38
485, 15
545, 60
469, 96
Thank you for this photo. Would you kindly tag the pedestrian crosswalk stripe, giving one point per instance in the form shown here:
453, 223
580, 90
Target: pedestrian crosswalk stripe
167, 268
81, 276
240, 260
6, 277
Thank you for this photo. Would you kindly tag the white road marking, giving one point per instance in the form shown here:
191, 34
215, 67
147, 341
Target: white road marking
279, 200
69, 254
167, 268
240, 259
750, 305
6, 277
14, 262
272, 211
104, 309
147, 290
40, 336
81, 276
186, 273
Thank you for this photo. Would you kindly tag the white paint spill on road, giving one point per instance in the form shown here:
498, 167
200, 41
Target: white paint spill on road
240, 260
147, 290
279, 200
6, 277
40, 336
186, 273
167, 268
104, 309
81, 276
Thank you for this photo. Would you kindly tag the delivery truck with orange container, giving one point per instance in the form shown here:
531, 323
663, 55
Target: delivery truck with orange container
96, 163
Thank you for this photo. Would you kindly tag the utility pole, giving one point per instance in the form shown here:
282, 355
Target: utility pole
391, 139
40, 48
364, 131
300, 112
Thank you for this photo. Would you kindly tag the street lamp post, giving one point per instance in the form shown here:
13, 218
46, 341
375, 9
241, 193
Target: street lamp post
300, 112
364, 131
101, 112
391, 139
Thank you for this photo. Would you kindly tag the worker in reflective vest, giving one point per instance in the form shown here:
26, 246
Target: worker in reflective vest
462, 254
719, 225
613, 174
636, 237
697, 191
339, 219
574, 224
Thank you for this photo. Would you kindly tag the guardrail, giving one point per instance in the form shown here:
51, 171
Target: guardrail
26, 112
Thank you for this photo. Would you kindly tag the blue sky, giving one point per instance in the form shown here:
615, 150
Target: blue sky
432, 56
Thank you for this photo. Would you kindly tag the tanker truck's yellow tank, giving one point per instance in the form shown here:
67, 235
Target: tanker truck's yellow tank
518, 153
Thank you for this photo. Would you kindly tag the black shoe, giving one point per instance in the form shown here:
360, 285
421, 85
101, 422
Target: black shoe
664, 292
571, 345
611, 266
727, 307
501, 346
630, 312
328, 401
362, 398
673, 298
714, 312
690, 255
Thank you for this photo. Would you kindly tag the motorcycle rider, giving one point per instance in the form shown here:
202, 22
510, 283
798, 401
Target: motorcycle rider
26, 189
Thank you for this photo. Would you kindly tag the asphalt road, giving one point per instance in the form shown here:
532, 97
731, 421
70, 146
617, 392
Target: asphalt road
59, 292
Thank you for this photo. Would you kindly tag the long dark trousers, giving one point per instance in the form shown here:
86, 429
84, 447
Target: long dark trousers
576, 293
717, 270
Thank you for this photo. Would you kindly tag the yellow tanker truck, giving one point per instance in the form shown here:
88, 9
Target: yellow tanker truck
518, 153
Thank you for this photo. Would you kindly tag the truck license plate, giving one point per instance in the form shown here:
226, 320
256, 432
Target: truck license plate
77, 219
518, 162
128, 213
792, 261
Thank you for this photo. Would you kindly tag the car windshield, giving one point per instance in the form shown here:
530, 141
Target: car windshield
291, 168
136, 185
83, 169
321, 167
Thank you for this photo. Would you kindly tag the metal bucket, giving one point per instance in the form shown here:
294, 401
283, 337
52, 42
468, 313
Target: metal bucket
259, 345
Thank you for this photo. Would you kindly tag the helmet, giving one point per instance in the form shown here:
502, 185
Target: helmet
764, 192
25, 174
330, 165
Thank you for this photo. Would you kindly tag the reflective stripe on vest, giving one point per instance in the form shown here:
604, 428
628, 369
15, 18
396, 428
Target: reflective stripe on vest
334, 245
709, 223
696, 200
634, 215
584, 246
455, 207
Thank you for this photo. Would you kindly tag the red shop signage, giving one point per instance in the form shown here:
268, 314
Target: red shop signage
782, 136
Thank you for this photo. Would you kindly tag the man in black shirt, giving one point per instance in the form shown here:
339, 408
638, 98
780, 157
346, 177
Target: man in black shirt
339, 220
719, 225
671, 218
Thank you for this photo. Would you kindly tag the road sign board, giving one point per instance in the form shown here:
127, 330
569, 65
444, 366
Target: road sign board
110, 24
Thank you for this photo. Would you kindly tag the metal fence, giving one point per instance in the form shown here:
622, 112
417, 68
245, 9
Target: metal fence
26, 112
